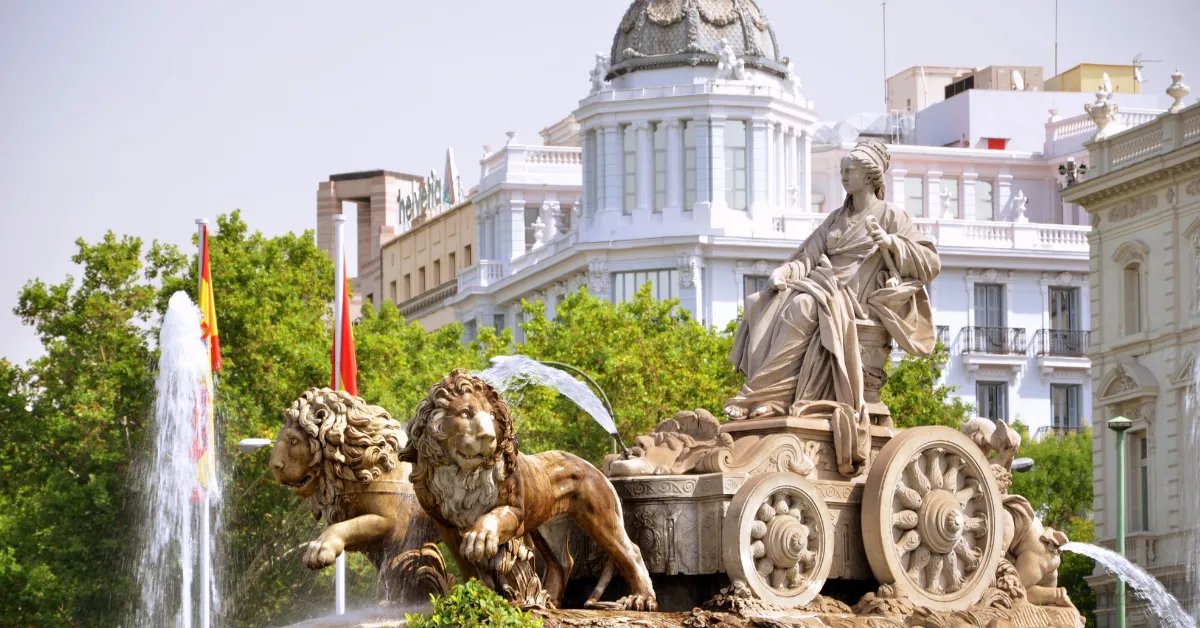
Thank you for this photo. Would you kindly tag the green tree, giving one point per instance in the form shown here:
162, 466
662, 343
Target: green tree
650, 357
915, 395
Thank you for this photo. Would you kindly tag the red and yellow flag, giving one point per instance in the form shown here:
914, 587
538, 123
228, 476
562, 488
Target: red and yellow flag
349, 379
208, 308
203, 440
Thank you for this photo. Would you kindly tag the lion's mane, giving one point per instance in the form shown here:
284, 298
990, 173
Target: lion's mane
433, 469
350, 440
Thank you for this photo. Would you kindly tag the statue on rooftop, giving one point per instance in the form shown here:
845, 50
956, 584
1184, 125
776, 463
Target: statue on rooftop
599, 72
861, 273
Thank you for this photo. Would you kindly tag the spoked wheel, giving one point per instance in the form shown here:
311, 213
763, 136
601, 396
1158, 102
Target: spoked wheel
778, 539
932, 518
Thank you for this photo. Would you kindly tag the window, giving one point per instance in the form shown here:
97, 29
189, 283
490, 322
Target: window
754, 283
949, 198
689, 165
437, 272
1064, 309
1139, 482
992, 399
421, 280
452, 265
407, 287
1064, 406
1133, 298
735, 164
660, 167
470, 330
990, 315
498, 322
467, 261
531, 216
983, 201
625, 285
392, 291
629, 135
914, 196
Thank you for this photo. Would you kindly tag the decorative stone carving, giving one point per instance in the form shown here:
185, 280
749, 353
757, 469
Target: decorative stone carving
933, 490
689, 271
599, 73
947, 211
1177, 91
729, 66
1102, 112
1019, 207
538, 236
778, 540
489, 500
339, 482
989, 275
599, 280
1134, 207
791, 80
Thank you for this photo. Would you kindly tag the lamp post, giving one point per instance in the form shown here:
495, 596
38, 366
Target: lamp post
1120, 425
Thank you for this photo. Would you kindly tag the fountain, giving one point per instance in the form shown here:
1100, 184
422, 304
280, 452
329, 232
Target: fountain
506, 370
1162, 604
169, 561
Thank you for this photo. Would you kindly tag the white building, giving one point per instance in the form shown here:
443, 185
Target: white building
1143, 196
700, 167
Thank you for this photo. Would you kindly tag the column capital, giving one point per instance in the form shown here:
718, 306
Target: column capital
641, 125
933, 174
1004, 178
673, 123
970, 176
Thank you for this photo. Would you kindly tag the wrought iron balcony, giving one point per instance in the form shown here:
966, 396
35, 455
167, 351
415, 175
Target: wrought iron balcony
1071, 343
993, 340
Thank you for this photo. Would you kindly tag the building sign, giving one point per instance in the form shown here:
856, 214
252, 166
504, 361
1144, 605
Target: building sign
432, 196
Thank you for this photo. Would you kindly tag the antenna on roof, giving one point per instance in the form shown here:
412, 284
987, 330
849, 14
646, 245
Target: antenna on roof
1018, 81
1138, 64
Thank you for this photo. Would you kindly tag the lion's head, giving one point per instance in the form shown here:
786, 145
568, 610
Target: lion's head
330, 437
462, 445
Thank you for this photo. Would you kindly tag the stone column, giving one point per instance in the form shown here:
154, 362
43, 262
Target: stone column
967, 195
933, 194
589, 162
675, 192
896, 186
760, 171
716, 147
774, 154
703, 162
328, 206
514, 227
601, 171
644, 167
805, 155
778, 169
789, 167
613, 172
1000, 199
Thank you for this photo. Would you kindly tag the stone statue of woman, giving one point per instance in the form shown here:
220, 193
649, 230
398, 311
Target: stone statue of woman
798, 342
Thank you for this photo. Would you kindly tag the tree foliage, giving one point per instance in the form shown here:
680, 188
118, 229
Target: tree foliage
915, 395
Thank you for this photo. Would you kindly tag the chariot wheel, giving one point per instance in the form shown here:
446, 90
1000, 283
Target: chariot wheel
777, 537
932, 518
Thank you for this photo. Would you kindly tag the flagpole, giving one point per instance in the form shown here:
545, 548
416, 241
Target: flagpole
205, 506
339, 287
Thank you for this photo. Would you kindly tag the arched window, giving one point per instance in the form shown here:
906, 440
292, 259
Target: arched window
1131, 258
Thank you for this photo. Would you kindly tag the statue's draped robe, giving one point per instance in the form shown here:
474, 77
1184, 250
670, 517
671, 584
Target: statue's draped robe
799, 345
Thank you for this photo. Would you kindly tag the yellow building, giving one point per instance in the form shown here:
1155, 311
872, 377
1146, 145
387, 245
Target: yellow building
1088, 77
420, 266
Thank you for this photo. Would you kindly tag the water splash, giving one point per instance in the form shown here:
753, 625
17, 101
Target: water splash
1162, 603
507, 370
168, 563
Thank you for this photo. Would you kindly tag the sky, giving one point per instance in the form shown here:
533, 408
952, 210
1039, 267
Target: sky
139, 117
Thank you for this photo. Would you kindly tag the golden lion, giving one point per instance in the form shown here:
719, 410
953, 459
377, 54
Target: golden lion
487, 499
340, 455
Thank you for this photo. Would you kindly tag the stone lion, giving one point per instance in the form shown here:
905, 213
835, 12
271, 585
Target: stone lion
339, 455
488, 500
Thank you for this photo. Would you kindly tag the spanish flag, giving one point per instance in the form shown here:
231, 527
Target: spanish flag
208, 308
349, 378
203, 440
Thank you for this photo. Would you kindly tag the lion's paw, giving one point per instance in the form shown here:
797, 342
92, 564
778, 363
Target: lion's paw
322, 553
638, 603
480, 544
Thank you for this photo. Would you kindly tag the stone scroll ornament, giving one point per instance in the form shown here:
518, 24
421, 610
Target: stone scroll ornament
488, 500
339, 454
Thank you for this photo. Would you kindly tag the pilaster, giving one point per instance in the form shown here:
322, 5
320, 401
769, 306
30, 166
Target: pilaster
933, 194
716, 146
1000, 200
778, 171
514, 227
896, 186
613, 172
968, 195
644, 167
790, 164
806, 171
760, 138
675, 191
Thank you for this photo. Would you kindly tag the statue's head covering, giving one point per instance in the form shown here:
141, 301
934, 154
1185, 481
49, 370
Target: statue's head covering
875, 159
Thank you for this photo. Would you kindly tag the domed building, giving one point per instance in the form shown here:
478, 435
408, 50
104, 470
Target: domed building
694, 125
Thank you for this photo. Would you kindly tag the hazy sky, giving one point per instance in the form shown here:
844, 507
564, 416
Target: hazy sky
140, 117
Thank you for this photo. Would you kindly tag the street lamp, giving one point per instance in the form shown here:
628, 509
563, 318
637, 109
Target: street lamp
1022, 465
1120, 425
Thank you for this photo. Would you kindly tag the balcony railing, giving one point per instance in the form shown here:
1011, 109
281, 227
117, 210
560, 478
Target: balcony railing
1070, 343
1058, 431
993, 340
